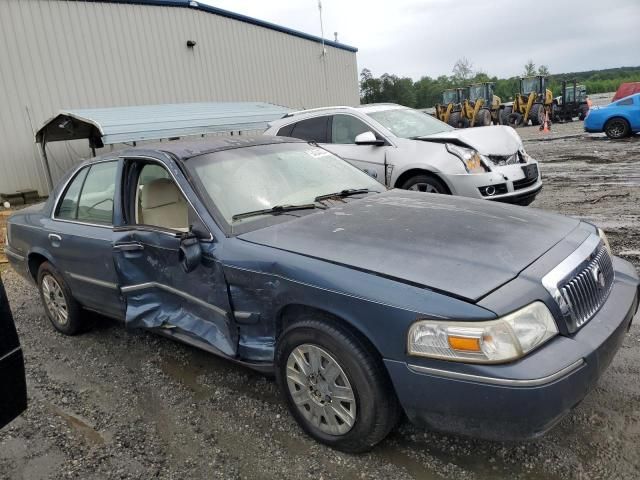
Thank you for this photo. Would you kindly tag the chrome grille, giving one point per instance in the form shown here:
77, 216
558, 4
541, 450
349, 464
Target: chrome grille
587, 291
582, 282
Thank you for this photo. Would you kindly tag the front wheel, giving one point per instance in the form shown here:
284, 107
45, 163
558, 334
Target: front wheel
425, 183
616, 128
336, 388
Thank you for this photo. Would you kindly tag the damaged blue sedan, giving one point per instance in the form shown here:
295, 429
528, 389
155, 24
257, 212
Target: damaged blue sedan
471, 317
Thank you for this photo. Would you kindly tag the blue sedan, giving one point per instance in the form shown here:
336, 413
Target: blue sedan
471, 317
618, 119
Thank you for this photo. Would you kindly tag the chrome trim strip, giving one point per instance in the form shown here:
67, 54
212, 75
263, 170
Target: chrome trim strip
9, 253
94, 281
7, 355
510, 382
175, 291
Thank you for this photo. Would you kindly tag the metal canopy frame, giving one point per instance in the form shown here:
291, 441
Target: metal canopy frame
109, 126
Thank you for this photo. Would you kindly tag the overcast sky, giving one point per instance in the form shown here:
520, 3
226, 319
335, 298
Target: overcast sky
425, 37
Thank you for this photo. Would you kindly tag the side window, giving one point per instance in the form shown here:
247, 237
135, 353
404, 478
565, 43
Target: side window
626, 101
346, 128
286, 131
96, 198
68, 206
311, 130
159, 201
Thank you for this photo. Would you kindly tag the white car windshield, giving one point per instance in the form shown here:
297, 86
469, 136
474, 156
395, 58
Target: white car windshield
244, 180
408, 123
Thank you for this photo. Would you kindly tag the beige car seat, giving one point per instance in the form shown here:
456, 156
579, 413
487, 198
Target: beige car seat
162, 204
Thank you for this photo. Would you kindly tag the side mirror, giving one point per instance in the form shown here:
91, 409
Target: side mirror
368, 138
190, 253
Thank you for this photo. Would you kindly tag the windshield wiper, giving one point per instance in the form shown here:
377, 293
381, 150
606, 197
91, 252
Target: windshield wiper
274, 210
344, 193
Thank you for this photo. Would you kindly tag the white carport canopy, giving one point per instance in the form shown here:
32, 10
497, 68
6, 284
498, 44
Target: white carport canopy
108, 126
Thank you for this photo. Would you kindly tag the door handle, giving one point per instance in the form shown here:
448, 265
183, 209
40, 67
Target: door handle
128, 247
55, 239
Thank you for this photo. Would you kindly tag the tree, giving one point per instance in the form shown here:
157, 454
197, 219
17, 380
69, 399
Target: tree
529, 69
543, 70
369, 87
462, 70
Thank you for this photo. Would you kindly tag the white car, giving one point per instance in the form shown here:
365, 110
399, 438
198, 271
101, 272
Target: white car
404, 148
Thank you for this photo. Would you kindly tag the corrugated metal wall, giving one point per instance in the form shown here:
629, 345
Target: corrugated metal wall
74, 54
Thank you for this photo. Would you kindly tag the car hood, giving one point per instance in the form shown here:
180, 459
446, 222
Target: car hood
461, 246
494, 140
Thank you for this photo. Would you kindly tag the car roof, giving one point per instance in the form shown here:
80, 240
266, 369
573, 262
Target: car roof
185, 149
367, 108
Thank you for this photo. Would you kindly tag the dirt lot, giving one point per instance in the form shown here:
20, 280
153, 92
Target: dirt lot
125, 404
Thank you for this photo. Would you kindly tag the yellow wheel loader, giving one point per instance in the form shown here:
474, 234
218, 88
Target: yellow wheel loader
482, 106
532, 103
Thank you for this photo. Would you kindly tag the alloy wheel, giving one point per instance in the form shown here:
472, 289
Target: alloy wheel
321, 390
423, 187
54, 300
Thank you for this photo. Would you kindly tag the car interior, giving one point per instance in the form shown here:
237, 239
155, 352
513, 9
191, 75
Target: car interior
159, 200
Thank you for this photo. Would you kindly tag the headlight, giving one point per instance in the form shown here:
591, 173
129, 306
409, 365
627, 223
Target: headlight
469, 157
496, 341
524, 156
605, 240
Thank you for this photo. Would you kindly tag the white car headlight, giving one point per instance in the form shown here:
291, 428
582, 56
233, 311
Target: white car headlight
605, 240
526, 158
469, 157
495, 341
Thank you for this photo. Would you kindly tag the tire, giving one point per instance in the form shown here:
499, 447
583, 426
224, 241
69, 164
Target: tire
369, 409
425, 183
61, 308
454, 120
515, 120
504, 115
536, 115
616, 128
483, 119
584, 109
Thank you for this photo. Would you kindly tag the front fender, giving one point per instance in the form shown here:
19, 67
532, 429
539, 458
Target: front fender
263, 281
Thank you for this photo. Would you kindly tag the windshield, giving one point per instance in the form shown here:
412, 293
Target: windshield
261, 177
476, 92
408, 123
449, 96
530, 85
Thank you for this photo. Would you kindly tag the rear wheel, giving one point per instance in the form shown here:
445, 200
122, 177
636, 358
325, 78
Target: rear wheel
61, 308
584, 109
335, 386
483, 118
454, 120
616, 128
504, 115
425, 183
537, 114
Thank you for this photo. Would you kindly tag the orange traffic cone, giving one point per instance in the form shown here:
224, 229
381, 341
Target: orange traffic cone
545, 126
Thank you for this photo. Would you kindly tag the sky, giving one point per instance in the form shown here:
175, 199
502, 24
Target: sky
415, 38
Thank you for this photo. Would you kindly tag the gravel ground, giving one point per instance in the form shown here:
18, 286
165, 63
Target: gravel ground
113, 404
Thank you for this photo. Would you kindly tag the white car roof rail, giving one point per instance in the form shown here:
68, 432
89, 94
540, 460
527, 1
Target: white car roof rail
317, 109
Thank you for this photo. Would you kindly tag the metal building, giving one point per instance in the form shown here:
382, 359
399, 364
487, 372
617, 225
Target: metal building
57, 54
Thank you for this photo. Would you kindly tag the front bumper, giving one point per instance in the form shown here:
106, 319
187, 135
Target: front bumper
526, 398
509, 176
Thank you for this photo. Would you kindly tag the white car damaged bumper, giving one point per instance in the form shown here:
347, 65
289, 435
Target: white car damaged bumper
517, 183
